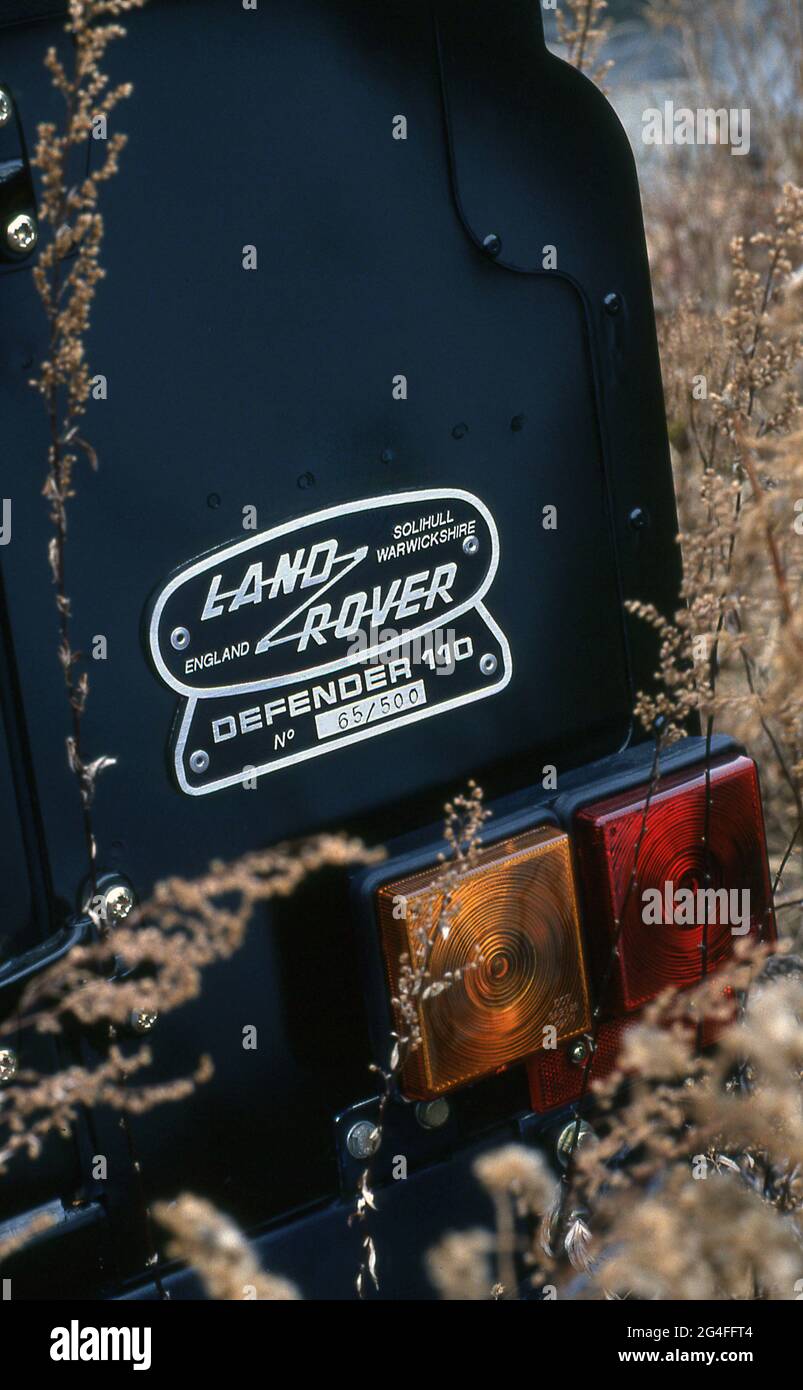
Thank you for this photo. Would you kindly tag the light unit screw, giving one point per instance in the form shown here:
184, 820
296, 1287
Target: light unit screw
143, 1020
566, 1141
117, 903
362, 1140
433, 1114
8, 1065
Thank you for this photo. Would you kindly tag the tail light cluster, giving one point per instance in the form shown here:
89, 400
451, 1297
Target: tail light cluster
514, 971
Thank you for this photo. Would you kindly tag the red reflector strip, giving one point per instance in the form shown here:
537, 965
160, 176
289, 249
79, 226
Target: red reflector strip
555, 1079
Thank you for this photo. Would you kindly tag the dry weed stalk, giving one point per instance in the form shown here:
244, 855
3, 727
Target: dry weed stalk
693, 1187
584, 29
153, 962
738, 52
36, 1105
519, 1184
460, 1267
214, 1246
696, 1184
430, 917
735, 649
736, 55
633, 1217
66, 276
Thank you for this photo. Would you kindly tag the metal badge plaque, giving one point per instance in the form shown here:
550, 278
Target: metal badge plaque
326, 631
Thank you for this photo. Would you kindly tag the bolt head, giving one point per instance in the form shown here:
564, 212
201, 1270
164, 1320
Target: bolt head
143, 1020
433, 1114
566, 1141
8, 1065
117, 903
363, 1139
6, 107
578, 1052
488, 664
612, 303
492, 244
199, 760
639, 518
21, 233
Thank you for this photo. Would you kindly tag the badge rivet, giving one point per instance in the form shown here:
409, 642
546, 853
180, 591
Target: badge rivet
179, 638
492, 244
488, 664
199, 760
21, 232
471, 545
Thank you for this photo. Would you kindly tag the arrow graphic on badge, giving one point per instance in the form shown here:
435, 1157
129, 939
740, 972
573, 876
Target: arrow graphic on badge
271, 640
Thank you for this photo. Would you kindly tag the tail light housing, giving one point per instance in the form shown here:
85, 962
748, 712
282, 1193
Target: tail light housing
514, 972
512, 953
660, 940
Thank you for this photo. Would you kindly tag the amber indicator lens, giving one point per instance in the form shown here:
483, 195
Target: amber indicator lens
510, 957
681, 884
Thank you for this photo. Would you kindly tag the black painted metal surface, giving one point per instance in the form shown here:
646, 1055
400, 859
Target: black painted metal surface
273, 389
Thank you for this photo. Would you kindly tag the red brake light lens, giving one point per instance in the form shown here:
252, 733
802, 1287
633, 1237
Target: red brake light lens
663, 917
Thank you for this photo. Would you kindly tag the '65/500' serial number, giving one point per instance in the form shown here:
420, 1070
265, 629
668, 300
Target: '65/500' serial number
370, 710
